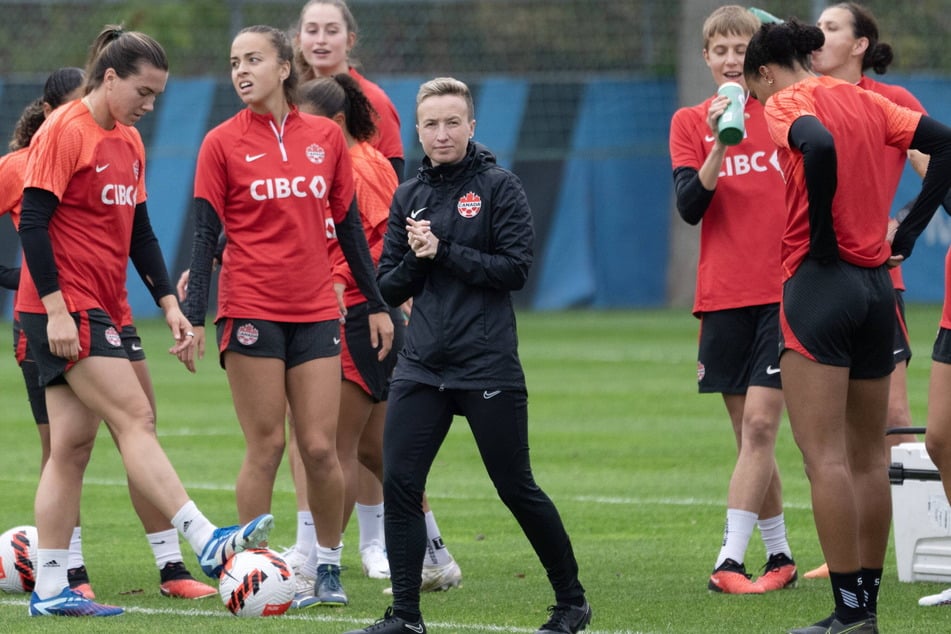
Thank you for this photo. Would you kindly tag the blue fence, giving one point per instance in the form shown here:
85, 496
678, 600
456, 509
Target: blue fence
592, 155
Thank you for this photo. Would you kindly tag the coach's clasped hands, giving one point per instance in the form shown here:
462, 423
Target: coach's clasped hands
421, 239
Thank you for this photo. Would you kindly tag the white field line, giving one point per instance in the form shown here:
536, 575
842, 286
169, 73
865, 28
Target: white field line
287, 487
315, 618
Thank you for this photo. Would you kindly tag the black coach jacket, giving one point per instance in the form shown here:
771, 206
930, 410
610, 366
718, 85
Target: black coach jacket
462, 332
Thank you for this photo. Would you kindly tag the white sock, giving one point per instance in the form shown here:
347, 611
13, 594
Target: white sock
309, 567
773, 532
736, 535
436, 552
165, 547
194, 527
370, 518
328, 555
306, 533
76, 549
50, 572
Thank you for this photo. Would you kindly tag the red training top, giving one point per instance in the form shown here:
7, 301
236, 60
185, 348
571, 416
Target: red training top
272, 188
894, 162
98, 176
741, 229
387, 139
862, 198
375, 183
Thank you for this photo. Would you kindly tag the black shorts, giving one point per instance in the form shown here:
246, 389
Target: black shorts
902, 347
841, 314
739, 348
942, 347
293, 343
35, 393
98, 337
358, 360
132, 343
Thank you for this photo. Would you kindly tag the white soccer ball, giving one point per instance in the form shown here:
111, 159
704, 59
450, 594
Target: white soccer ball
18, 559
256, 582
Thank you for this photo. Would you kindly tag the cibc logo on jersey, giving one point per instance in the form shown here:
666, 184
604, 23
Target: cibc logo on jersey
115, 194
740, 164
296, 187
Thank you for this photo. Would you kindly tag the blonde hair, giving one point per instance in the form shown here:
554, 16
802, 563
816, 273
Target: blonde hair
731, 19
446, 86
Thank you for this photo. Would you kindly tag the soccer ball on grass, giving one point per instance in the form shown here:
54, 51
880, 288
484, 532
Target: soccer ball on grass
18, 559
256, 582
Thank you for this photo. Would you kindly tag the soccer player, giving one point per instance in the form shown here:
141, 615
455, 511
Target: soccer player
63, 86
458, 242
270, 176
325, 36
83, 216
736, 191
838, 307
852, 47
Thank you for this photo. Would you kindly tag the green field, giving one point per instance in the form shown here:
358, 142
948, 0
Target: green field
637, 462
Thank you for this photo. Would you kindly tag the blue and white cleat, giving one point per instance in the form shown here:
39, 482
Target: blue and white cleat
328, 589
227, 541
70, 603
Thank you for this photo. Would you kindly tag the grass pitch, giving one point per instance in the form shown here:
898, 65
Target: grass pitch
637, 462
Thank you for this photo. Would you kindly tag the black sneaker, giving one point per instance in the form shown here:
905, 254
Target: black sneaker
868, 625
391, 624
566, 619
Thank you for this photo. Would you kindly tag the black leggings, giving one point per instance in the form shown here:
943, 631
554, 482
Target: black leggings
417, 421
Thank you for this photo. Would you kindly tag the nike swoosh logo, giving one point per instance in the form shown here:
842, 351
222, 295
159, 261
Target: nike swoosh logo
487, 394
415, 213
771, 370
336, 340
159, 543
137, 348
899, 351
414, 628
251, 159
709, 138
102, 168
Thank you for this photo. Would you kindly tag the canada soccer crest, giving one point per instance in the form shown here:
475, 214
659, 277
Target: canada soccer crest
113, 337
247, 335
315, 153
469, 205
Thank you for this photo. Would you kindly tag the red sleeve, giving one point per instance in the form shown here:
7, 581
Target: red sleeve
211, 173
54, 157
902, 122
12, 167
686, 134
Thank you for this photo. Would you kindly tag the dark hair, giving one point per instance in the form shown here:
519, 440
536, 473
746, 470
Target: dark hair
878, 55
285, 53
58, 85
306, 71
787, 44
342, 93
123, 51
